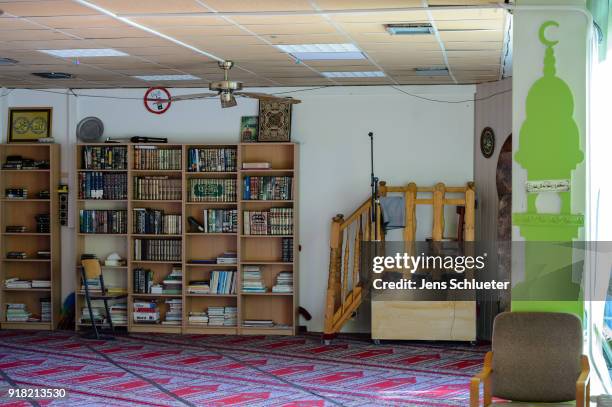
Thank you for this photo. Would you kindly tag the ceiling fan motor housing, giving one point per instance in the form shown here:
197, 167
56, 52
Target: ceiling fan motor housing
220, 86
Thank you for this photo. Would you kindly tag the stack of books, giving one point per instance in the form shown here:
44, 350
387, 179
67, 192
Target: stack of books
16, 229
256, 166
17, 283
222, 282
16, 255
173, 283
212, 190
45, 309
98, 315
174, 315
146, 312
258, 323
148, 157
16, 312
198, 318
198, 287
41, 284
230, 316
216, 316
93, 285
211, 159
251, 280
267, 188
118, 313
284, 282
227, 258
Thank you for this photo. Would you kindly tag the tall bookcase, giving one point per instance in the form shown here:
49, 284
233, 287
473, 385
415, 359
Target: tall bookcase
31, 239
197, 248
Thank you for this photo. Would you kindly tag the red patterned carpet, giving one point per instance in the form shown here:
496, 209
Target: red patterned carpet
198, 370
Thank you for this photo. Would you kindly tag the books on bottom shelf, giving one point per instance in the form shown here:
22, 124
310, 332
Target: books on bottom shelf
174, 315
45, 310
198, 318
117, 308
222, 316
258, 323
284, 282
18, 312
251, 280
146, 312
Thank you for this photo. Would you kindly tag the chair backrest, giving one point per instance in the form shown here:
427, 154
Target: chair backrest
536, 356
92, 268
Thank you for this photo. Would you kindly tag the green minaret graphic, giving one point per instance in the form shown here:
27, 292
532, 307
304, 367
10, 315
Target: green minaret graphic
549, 149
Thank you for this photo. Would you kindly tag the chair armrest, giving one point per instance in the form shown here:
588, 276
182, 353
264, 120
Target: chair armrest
583, 385
482, 377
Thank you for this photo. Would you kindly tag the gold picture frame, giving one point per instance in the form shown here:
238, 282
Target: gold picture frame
274, 121
28, 124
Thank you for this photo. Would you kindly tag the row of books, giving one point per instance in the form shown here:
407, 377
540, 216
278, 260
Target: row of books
276, 221
102, 185
157, 188
212, 190
157, 158
220, 220
287, 250
267, 188
229, 257
15, 282
222, 316
18, 312
211, 159
157, 249
156, 221
174, 314
220, 282
284, 282
104, 158
117, 308
103, 221
252, 281
145, 312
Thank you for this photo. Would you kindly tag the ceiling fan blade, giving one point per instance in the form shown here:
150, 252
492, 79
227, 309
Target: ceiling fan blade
193, 96
228, 101
265, 96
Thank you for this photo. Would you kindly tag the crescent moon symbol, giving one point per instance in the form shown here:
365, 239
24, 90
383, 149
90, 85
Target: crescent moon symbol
543, 38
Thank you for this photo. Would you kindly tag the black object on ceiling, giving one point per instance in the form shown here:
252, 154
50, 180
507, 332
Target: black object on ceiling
7, 61
53, 75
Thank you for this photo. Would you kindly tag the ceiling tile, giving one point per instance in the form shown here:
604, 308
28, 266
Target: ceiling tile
46, 8
259, 5
150, 6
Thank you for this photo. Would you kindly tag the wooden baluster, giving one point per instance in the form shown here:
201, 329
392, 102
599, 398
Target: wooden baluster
437, 232
357, 255
410, 199
345, 265
368, 225
470, 206
333, 279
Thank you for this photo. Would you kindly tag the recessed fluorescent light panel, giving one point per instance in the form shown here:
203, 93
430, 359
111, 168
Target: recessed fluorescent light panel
434, 71
362, 74
166, 77
84, 53
409, 29
313, 52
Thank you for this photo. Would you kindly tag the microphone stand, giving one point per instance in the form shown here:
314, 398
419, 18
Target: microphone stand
374, 186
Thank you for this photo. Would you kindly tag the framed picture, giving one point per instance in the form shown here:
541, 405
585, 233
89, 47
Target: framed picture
274, 121
249, 125
28, 124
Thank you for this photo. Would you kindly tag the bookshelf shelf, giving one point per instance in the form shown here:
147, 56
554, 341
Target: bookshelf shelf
41, 235
142, 177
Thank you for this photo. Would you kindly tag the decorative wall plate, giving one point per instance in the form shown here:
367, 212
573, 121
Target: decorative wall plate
487, 142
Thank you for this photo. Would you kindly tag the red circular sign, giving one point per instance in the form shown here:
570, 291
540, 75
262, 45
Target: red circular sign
157, 100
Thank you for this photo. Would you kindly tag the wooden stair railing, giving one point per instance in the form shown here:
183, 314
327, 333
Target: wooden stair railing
344, 288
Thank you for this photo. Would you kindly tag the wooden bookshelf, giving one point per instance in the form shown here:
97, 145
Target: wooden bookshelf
262, 250
99, 243
22, 212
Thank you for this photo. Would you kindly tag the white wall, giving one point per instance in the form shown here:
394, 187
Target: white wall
416, 140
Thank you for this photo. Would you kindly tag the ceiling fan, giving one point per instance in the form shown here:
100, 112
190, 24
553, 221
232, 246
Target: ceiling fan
227, 90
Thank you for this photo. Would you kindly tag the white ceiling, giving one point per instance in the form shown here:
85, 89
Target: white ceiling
470, 40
